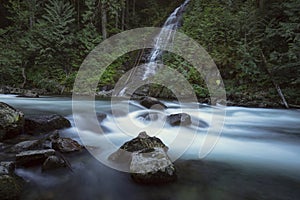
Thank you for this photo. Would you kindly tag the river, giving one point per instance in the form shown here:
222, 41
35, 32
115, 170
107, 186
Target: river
256, 156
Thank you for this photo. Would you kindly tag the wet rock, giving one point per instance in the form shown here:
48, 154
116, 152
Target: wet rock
147, 159
10, 184
152, 166
29, 94
66, 145
33, 157
101, 116
53, 162
152, 103
143, 141
151, 116
180, 119
26, 145
7, 168
42, 124
11, 121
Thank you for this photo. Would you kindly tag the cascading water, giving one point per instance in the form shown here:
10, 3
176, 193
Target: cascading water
164, 38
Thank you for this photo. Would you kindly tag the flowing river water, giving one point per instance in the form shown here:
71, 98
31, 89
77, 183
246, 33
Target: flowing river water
256, 156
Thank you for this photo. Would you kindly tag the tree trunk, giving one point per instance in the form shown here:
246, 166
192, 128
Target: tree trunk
78, 13
24, 77
104, 20
265, 65
117, 21
127, 13
123, 17
133, 8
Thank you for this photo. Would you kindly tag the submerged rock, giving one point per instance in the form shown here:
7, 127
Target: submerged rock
11, 121
66, 145
152, 103
47, 123
53, 162
33, 157
152, 166
180, 119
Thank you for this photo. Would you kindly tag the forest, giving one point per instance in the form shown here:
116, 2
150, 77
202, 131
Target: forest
254, 43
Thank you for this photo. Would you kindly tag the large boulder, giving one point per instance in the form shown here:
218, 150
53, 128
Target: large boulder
152, 166
66, 145
53, 162
143, 141
11, 185
33, 157
180, 119
147, 158
11, 121
44, 124
152, 103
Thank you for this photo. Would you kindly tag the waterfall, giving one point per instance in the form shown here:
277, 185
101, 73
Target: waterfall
164, 38
161, 41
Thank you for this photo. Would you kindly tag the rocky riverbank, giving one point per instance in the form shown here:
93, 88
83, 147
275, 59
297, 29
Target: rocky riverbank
246, 99
27, 141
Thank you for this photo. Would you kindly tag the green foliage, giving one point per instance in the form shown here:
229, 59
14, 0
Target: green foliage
48, 40
238, 34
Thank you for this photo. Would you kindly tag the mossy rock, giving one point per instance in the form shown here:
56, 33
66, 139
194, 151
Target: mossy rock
11, 121
10, 187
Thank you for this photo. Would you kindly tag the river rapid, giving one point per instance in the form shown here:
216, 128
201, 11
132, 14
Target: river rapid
257, 155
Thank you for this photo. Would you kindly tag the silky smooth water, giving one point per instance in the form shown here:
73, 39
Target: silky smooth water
264, 138
255, 140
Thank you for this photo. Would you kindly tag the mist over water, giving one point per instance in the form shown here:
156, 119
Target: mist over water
262, 138
257, 141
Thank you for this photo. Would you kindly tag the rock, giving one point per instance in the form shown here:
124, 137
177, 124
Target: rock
152, 103
7, 168
10, 187
10, 184
101, 116
11, 121
143, 141
151, 116
33, 157
53, 162
42, 124
5, 90
180, 119
26, 145
66, 145
29, 94
152, 166
147, 158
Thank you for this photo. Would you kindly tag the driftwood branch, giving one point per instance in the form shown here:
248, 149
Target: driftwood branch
265, 66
